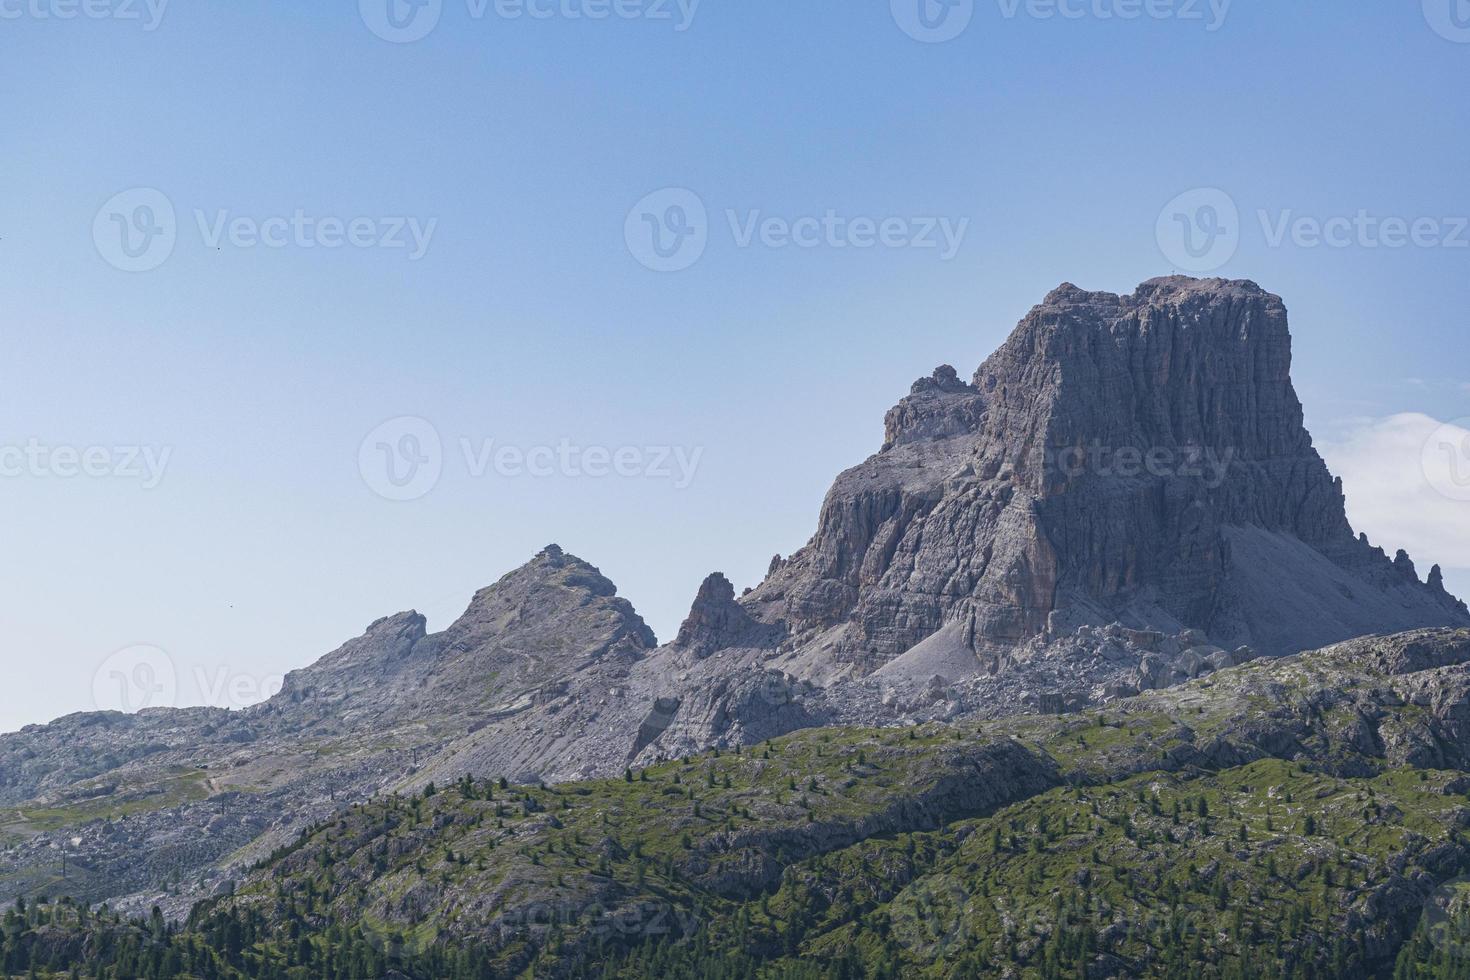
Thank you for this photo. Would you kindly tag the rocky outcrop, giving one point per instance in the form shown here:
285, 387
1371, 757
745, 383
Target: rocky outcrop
938, 407
1139, 458
1436, 586
717, 622
189, 795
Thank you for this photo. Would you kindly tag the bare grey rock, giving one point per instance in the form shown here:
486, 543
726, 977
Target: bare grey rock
188, 797
1139, 459
716, 621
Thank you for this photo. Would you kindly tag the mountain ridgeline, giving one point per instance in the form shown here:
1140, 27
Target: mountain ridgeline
1123, 499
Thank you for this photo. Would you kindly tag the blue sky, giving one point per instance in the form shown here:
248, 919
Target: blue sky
517, 147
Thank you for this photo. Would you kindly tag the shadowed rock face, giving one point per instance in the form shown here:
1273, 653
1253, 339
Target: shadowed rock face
717, 622
1135, 458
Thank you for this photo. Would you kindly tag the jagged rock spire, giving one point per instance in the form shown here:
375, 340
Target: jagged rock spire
716, 620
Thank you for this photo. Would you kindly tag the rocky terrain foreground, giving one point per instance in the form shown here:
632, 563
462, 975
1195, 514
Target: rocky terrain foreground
1123, 498
1304, 817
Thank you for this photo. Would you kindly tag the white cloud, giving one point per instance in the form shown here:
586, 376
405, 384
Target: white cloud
1407, 479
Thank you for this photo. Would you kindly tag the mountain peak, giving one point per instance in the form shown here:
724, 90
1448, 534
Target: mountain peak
382, 649
945, 378
553, 566
1160, 291
1140, 458
716, 620
554, 587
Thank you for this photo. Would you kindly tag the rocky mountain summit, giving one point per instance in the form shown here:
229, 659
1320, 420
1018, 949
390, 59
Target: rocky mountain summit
1123, 498
163, 803
1139, 459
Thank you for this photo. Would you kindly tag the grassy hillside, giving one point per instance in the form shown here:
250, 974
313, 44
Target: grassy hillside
1305, 818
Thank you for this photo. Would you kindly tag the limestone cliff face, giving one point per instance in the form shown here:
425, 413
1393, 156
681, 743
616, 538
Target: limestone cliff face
1139, 458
